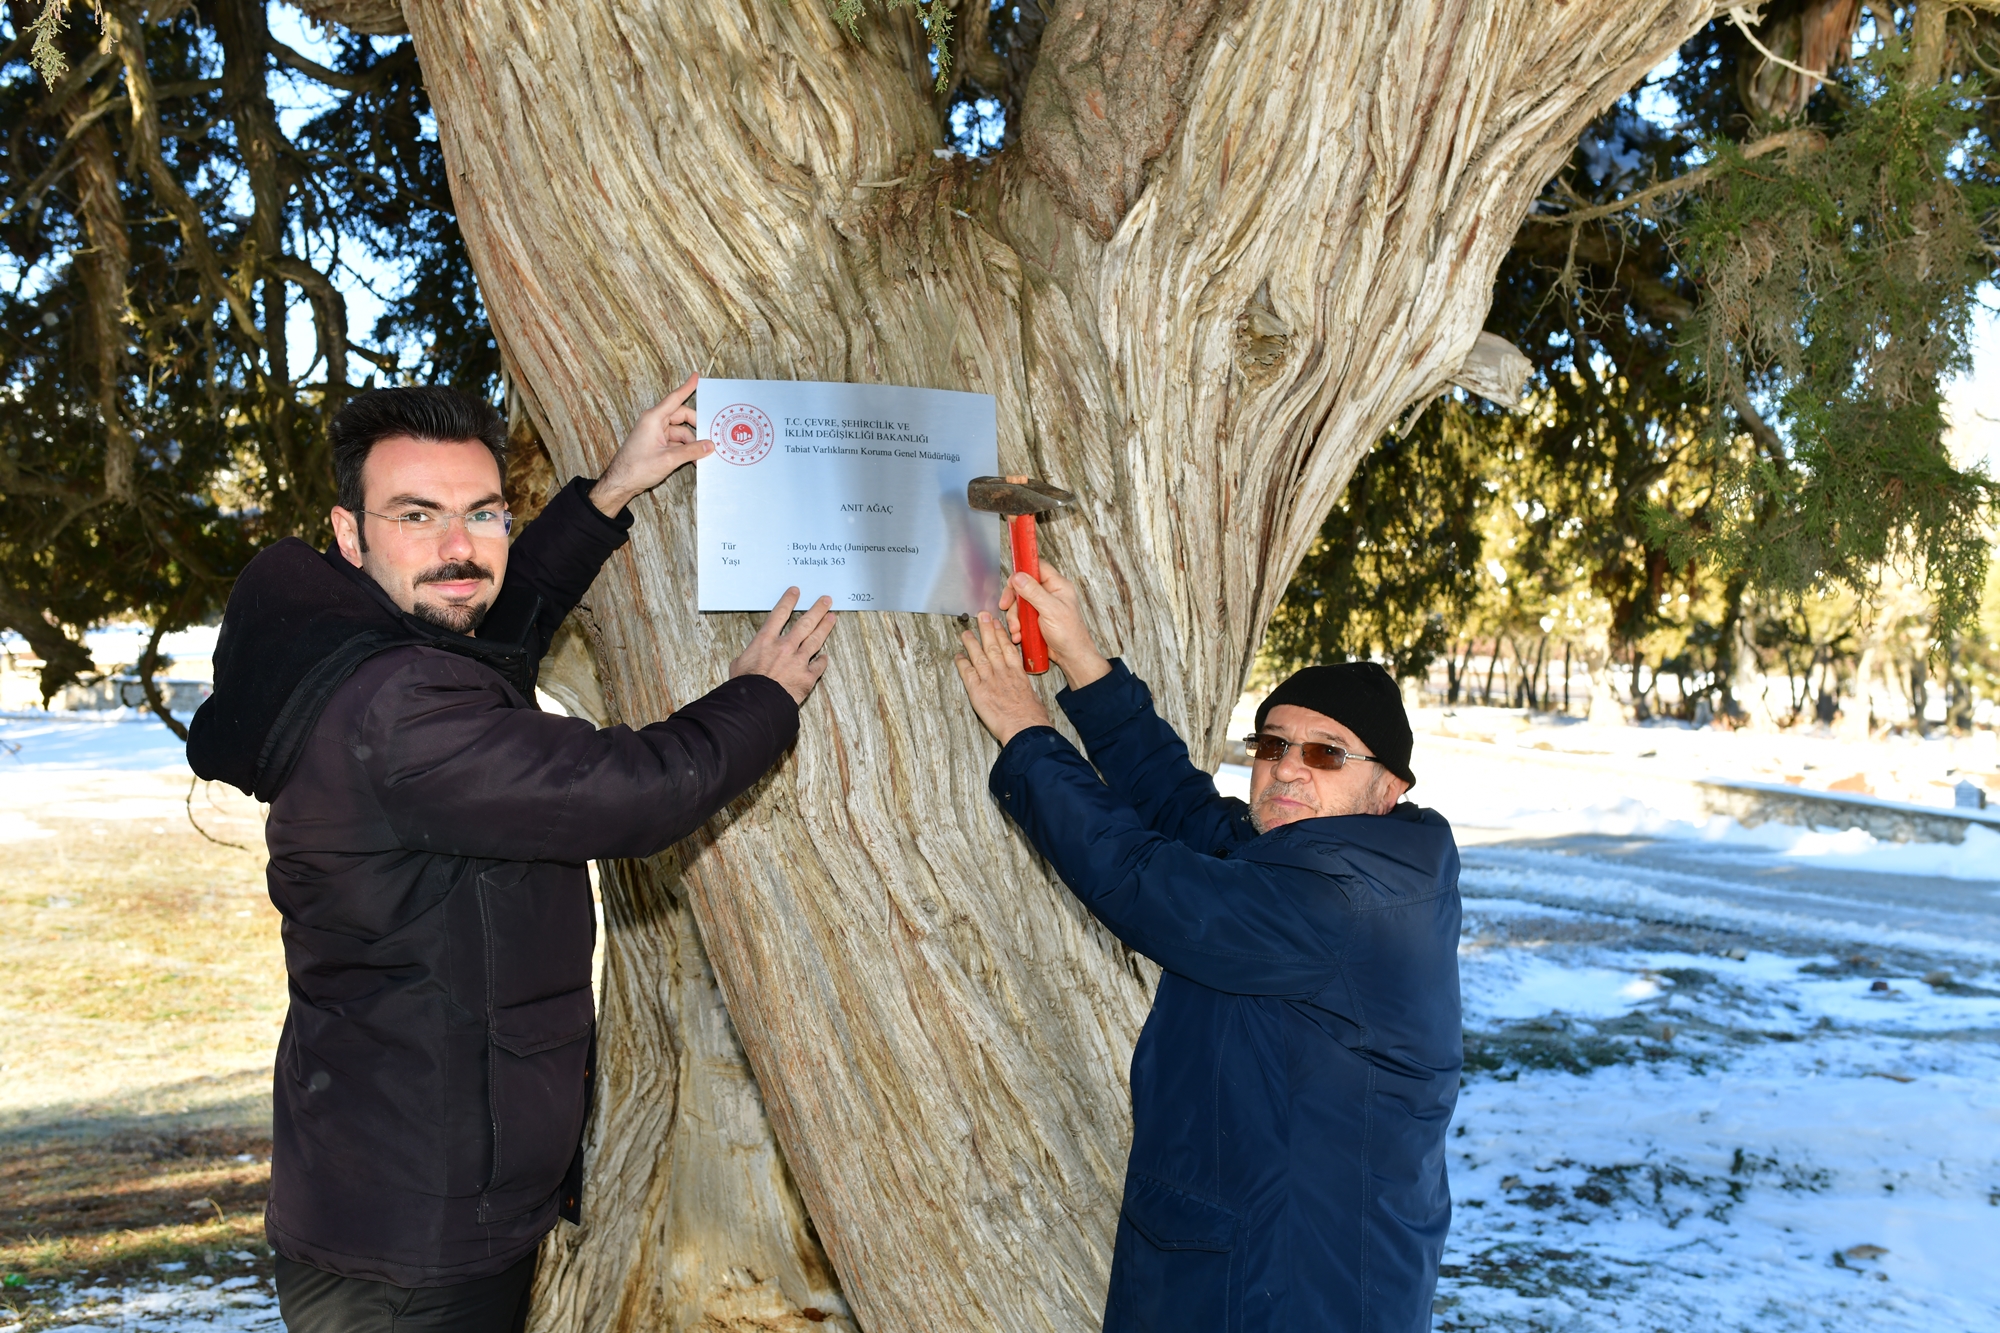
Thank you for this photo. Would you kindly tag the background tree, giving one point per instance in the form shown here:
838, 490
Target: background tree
180, 189
1743, 299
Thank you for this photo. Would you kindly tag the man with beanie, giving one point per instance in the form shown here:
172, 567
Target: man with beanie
428, 832
1292, 1087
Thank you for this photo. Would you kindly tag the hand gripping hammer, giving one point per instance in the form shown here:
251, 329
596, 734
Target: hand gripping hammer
1019, 500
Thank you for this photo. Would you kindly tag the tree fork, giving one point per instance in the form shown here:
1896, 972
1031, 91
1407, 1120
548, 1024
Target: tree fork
939, 1033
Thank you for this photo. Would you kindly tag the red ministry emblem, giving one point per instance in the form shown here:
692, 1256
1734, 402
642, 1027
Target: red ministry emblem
742, 434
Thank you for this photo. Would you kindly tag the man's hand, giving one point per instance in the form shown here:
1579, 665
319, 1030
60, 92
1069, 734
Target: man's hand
661, 441
791, 656
1070, 644
997, 683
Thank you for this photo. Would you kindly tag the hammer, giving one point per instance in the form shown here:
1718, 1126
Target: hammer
1019, 500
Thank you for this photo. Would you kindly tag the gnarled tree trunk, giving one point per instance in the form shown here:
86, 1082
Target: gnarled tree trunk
1237, 239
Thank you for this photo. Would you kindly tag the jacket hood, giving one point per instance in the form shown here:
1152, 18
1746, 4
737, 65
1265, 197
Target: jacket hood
299, 621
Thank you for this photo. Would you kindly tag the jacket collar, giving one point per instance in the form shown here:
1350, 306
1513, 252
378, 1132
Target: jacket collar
1409, 845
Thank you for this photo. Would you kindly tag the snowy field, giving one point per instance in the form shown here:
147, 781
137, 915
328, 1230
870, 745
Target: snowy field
1717, 1078
1662, 1128
118, 740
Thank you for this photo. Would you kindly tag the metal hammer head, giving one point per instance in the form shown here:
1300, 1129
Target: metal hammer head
1015, 495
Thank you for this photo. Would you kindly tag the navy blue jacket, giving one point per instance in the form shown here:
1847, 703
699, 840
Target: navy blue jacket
1291, 1090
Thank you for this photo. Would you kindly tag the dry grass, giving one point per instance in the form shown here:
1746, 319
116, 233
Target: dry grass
141, 993
117, 1204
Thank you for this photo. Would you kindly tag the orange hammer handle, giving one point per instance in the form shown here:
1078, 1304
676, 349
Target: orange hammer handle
1034, 650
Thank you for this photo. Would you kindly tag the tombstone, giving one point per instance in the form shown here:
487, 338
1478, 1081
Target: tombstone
1704, 713
1969, 796
1825, 708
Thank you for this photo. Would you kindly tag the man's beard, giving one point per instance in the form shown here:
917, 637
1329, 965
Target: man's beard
459, 618
1302, 792
1363, 802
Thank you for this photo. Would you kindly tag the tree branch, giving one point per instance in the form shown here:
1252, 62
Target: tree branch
1808, 139
129, 40
103, 267
197, 567
1929, 38
55, 172
149, 662
381, 360
329, 317
63, 658
241, 29
73, 83
1745, 23
367, 81
1753, 421
378, 18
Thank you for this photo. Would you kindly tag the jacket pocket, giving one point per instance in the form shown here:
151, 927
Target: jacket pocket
537, 1065
1171, 1266
1173, 1219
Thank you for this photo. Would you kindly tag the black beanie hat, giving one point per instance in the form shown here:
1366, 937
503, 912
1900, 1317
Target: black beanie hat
1362, 697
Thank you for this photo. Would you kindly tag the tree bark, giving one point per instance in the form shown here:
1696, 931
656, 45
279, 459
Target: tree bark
1197, 307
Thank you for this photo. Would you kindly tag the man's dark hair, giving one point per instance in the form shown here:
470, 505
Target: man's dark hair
426, 412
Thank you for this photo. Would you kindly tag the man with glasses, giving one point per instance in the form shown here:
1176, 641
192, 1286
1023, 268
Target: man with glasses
1293, 1084
428, 832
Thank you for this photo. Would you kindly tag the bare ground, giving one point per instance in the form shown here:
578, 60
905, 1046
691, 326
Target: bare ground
141, 993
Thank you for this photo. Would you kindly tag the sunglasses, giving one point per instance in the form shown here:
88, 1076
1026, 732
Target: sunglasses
1313, 754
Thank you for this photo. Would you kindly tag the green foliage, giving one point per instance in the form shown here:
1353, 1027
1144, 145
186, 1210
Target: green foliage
935, 15
46, 53
1428, 492
1837, 285
1566, 486
1736, 410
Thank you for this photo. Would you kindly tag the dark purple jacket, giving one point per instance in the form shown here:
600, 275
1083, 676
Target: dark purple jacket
428, 839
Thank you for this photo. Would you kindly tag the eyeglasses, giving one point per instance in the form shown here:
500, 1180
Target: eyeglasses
421, 525
1313, 754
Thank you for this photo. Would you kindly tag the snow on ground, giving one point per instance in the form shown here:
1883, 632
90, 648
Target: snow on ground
125, 740
1563, 803
199, 1305
1572, 804
1656, 1134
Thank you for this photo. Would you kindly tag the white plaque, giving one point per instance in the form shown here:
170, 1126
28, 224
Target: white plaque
854, 491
